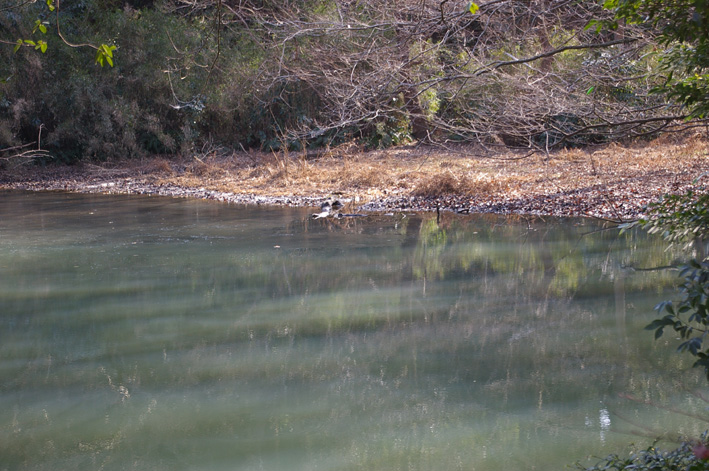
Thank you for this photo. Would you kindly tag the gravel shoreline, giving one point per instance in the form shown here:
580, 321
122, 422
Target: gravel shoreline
612, 183
604, 203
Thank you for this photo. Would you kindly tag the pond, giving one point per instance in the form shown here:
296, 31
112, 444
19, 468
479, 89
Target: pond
171, 334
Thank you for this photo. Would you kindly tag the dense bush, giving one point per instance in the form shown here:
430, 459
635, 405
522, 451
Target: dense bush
682, 458
87, 110
161, 97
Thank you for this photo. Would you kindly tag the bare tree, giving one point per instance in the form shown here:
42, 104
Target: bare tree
518, 73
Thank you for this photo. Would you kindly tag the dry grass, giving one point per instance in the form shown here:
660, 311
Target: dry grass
158, 166
450, 183
436, 172
430, 171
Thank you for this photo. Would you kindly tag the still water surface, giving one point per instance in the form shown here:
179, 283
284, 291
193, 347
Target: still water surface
166, 334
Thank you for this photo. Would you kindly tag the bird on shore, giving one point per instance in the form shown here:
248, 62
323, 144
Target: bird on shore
327, 207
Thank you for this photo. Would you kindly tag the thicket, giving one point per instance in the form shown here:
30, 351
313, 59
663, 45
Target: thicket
310, 73
682, 458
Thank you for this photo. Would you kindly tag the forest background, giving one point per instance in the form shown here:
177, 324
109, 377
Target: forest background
105, 79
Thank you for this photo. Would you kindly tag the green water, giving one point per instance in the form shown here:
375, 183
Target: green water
166, 334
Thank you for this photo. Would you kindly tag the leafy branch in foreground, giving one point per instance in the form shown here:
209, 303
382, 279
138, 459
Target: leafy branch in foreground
681, 219
688, 456
695, 304
685, 219
681, 28
104, 52
104, 55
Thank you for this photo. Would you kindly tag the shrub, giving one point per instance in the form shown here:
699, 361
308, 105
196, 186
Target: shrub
681, 458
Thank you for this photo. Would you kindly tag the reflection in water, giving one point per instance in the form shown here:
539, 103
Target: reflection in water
605, 421
154, 333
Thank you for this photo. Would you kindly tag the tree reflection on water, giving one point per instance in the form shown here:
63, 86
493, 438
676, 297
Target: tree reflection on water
175, 334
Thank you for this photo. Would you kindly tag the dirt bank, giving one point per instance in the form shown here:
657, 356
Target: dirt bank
612, 182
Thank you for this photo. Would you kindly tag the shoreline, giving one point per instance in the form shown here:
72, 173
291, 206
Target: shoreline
573, 203
566, 204
612, 183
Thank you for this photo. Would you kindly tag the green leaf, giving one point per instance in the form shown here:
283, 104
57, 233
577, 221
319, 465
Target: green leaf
18, 45
590, 90
39, 25
473, 8
50, 5
42, 46
104, 55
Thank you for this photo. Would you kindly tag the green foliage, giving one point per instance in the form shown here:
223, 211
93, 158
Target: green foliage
682, 29
681, 219
684, 219
104, 52
681, 458
104, 55
695, 305
163, 96
40, 25
38, 45
135, 109
393, 130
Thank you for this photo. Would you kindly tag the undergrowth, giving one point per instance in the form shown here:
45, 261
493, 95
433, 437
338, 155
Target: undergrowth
682, 458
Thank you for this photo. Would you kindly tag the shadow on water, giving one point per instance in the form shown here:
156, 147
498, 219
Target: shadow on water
155, 333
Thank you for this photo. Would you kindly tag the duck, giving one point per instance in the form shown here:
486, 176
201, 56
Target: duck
327, 207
